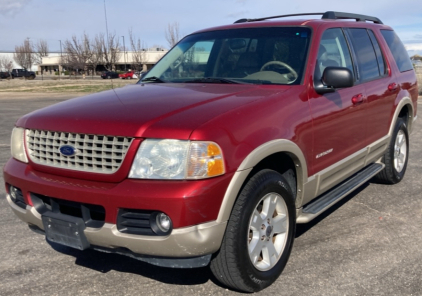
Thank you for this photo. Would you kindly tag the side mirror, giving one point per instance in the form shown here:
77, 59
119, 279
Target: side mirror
333, 78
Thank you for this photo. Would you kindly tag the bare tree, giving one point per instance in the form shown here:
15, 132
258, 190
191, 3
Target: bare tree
97, 55
78, 52
24, 54
6, 64
110, 50
138, 51
416, 57
172, 34
41, 50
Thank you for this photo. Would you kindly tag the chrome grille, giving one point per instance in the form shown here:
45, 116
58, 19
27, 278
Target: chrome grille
97, 154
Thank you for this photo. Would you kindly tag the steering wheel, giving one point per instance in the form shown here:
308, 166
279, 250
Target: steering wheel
283, 65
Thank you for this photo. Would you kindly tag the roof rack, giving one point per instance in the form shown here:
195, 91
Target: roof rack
332, 15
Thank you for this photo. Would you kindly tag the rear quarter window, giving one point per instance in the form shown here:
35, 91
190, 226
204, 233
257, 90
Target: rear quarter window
397, 49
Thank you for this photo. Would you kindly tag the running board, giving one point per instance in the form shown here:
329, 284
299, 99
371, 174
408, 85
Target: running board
319, 205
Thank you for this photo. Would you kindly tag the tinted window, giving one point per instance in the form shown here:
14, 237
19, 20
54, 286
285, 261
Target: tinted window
365, 54
397, 49
378, 52
333, 51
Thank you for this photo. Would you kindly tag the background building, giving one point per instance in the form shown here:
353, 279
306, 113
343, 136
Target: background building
141, 61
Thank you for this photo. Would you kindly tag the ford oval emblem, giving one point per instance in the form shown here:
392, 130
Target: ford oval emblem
68, 150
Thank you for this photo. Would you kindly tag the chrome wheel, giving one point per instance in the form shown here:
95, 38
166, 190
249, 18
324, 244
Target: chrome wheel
268, 231
400, 151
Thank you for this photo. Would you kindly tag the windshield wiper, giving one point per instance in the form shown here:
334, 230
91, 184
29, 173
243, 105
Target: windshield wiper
152, 79
212, 80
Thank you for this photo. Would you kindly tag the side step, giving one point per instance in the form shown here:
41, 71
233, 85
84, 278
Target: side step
326, 200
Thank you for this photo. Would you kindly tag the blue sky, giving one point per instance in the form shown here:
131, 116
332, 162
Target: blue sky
55, 20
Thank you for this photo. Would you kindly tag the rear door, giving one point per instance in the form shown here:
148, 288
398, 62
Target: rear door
380, 86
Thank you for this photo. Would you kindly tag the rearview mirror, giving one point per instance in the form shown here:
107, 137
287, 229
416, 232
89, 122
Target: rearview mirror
237, 44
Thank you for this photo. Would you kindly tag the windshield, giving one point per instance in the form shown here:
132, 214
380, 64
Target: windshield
268, 55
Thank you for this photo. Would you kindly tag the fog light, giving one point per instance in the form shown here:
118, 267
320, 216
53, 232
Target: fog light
163, 222
13, 192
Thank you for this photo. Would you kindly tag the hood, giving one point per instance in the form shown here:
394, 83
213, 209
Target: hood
146, 110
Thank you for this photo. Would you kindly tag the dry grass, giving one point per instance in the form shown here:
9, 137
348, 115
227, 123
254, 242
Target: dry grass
420, 83
61, 86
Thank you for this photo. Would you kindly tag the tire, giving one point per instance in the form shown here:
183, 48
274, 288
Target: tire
396, 155
31, 77
243, 262
108, 77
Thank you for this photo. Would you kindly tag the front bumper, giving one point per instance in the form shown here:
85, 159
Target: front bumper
192, 205
186, 242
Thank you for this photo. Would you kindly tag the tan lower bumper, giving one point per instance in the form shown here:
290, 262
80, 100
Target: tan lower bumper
185, 242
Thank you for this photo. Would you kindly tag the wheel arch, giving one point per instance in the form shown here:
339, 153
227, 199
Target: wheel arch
257, 159
403, 110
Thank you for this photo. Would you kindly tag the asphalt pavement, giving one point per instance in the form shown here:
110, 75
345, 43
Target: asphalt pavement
369, 244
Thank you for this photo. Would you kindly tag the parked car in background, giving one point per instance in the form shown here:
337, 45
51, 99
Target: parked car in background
5, 75
109, 75
23, 73
129, 75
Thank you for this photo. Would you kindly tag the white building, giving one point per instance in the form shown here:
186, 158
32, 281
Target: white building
150, 57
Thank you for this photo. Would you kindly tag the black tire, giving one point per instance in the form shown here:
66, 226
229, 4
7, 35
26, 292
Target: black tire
390, 174
31, 77
232, 265
108, 77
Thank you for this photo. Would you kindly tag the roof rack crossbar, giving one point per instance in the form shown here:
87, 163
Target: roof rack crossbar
333, 15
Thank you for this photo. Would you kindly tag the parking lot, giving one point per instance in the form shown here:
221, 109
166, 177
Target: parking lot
368, 244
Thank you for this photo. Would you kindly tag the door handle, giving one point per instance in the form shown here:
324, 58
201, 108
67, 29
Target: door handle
357, 99
392, 86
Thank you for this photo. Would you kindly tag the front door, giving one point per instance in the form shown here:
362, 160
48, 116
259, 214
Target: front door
339, 123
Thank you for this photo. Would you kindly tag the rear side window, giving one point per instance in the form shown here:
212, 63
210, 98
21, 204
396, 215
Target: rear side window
366, 59
381, 64
397, 49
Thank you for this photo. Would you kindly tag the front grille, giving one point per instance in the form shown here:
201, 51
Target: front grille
94, 153
93, 215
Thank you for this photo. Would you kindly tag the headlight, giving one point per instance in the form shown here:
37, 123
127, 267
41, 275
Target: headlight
17, 145
175, 159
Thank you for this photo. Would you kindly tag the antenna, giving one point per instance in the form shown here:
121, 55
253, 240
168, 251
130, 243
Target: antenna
108, 41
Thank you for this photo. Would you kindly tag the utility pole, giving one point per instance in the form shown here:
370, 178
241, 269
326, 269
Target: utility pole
124, 50
61, 57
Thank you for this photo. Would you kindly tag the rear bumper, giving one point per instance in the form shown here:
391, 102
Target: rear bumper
193, 207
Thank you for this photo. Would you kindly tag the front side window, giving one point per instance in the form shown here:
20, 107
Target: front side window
275, 55
333, 52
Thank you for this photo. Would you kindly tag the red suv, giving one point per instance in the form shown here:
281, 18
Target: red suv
237, 134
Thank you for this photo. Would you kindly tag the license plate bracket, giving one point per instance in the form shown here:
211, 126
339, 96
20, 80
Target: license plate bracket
65, 230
